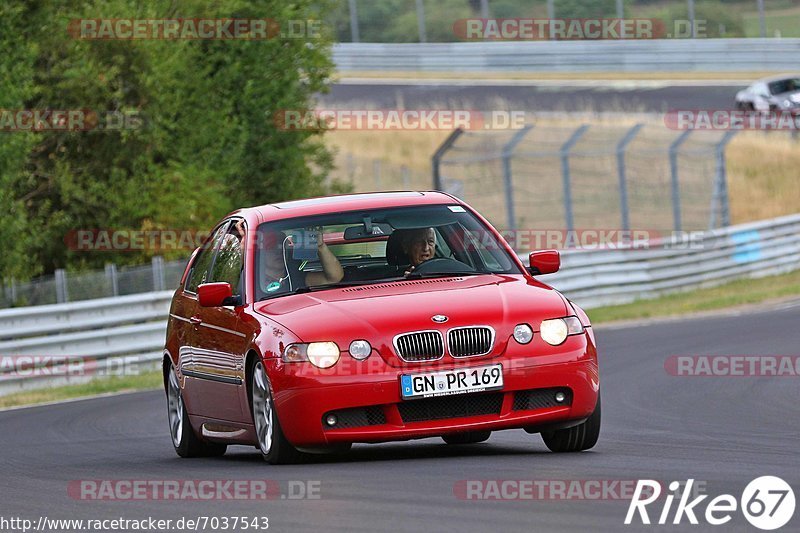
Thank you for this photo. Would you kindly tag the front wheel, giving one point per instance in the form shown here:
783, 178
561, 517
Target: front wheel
185, 442
577, 438
274, 446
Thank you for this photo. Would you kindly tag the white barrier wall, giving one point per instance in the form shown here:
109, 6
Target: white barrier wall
666, 55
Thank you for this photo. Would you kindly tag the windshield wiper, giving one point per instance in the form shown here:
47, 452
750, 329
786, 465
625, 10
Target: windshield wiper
302, 290
416, 275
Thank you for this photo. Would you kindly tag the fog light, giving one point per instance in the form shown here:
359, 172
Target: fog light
330, 420
560, 397
360, 349
523, 333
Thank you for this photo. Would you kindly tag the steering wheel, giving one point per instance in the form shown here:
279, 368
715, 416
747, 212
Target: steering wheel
441, 265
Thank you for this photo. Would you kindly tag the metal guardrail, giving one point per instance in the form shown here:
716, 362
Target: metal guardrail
669, 55
595, 278
128, 332
108, 336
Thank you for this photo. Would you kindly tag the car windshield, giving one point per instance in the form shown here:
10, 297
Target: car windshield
784, 86
374, 246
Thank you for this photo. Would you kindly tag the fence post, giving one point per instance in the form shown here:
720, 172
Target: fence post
436, 159
354, 37
762, 23
508, 153
421, 21
13, 291
565, 174
676, 186
719, 198
62, 295
111, 274
623, 182
158, 273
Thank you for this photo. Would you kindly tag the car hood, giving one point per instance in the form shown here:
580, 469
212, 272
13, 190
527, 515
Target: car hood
379, 312
794, 96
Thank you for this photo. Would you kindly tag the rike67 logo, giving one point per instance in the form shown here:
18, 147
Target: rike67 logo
767, 503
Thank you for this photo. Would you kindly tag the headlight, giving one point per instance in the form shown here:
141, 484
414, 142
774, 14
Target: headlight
323, 354
787, 104
556, 331
360, 349
523, 333
319, 354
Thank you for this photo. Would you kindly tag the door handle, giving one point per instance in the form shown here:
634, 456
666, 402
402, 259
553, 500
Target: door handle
196, 320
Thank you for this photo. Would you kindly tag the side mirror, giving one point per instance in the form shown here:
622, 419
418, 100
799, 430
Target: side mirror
215, 294
544, 262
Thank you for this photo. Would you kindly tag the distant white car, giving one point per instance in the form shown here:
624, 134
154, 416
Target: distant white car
777, 93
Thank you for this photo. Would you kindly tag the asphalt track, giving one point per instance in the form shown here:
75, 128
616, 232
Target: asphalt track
723, 431
646, 97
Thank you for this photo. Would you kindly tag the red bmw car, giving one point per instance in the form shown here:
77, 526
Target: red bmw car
305, 326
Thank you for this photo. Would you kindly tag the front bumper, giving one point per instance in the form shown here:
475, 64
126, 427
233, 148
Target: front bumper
366, 397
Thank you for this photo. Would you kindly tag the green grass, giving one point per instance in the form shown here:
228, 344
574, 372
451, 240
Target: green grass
144, 381
786, 21
735, 293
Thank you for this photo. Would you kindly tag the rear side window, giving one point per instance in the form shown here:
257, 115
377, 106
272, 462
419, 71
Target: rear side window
199, 272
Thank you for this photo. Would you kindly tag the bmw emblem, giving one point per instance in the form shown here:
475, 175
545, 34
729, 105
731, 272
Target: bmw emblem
439, 319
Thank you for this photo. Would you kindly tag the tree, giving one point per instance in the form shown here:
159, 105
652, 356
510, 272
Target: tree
201, 139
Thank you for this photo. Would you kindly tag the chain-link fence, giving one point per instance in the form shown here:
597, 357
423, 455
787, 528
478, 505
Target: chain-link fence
64, 286
389, 21
596, 176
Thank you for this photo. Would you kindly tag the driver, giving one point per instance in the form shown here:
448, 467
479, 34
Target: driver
419, 245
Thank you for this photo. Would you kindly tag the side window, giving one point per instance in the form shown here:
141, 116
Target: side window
230, 257
442, 245
199, 273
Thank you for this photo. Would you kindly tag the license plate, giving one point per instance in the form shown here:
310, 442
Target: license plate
450, 382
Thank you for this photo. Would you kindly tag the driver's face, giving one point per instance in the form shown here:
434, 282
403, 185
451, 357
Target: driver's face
421, 247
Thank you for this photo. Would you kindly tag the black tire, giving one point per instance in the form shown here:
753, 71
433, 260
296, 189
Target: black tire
275, 450
467, 437
184, 440
577, 438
